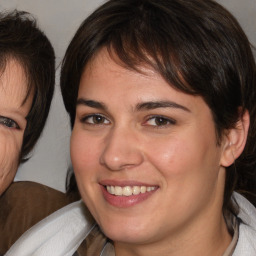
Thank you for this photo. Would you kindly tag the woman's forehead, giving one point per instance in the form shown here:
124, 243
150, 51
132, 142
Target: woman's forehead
14, 82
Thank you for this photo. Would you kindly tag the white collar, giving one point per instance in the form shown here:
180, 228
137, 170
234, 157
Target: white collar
61, 233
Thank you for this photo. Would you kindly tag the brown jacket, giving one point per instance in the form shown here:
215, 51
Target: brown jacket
23, 205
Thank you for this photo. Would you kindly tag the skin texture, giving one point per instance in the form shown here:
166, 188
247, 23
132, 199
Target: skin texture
121, 138
13, 112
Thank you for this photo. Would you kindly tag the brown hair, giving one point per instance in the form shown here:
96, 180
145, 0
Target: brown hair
22, 40
197, 46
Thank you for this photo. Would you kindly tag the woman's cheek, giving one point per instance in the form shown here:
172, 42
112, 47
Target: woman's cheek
168, 156
9, 159
82, 151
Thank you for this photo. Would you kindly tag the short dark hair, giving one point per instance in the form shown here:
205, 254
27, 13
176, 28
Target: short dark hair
22, 40
197, 46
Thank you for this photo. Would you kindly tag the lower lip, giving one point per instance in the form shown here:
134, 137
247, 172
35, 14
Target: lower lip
125, 201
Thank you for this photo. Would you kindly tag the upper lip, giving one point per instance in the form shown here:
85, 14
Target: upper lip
123, 183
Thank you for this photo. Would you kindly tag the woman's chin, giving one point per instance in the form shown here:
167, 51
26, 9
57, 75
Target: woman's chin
126, 233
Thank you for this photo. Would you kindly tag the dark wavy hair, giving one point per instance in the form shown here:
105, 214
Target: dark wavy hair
197, 46
22, 40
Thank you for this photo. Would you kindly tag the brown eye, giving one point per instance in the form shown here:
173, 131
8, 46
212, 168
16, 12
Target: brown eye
95, 119
160, 121
98, 119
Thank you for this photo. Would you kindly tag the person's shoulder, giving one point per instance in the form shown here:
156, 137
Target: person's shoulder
247, 211
24, 204
93, 243
31, 198
246, 244
28, 186
69, 225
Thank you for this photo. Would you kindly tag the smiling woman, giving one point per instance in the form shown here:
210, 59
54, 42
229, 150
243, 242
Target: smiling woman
27, 76
13, 119
161, 98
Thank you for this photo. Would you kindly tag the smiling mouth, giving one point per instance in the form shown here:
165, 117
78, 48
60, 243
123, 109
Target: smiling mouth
129, 190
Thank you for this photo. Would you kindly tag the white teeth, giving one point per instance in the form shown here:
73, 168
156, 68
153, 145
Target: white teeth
135, 190
118, 191
128, 190
143, 189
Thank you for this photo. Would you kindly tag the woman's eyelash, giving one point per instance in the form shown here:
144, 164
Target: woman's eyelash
94, 119
8, 122
159, 121
98, 119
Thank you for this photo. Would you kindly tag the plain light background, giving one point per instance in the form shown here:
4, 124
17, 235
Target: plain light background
59, 19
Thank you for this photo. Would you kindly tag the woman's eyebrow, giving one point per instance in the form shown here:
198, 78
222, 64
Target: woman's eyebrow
160, 104
91, 103
140, 106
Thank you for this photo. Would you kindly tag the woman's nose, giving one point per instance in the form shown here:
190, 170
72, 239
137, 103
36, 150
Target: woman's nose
121, 150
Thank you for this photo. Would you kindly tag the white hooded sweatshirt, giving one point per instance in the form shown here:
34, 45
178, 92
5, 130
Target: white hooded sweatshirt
61, 233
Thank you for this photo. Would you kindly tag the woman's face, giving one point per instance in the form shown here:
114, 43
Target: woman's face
145, 156
13, 112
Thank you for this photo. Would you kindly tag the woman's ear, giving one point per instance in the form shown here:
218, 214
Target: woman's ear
235, 140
